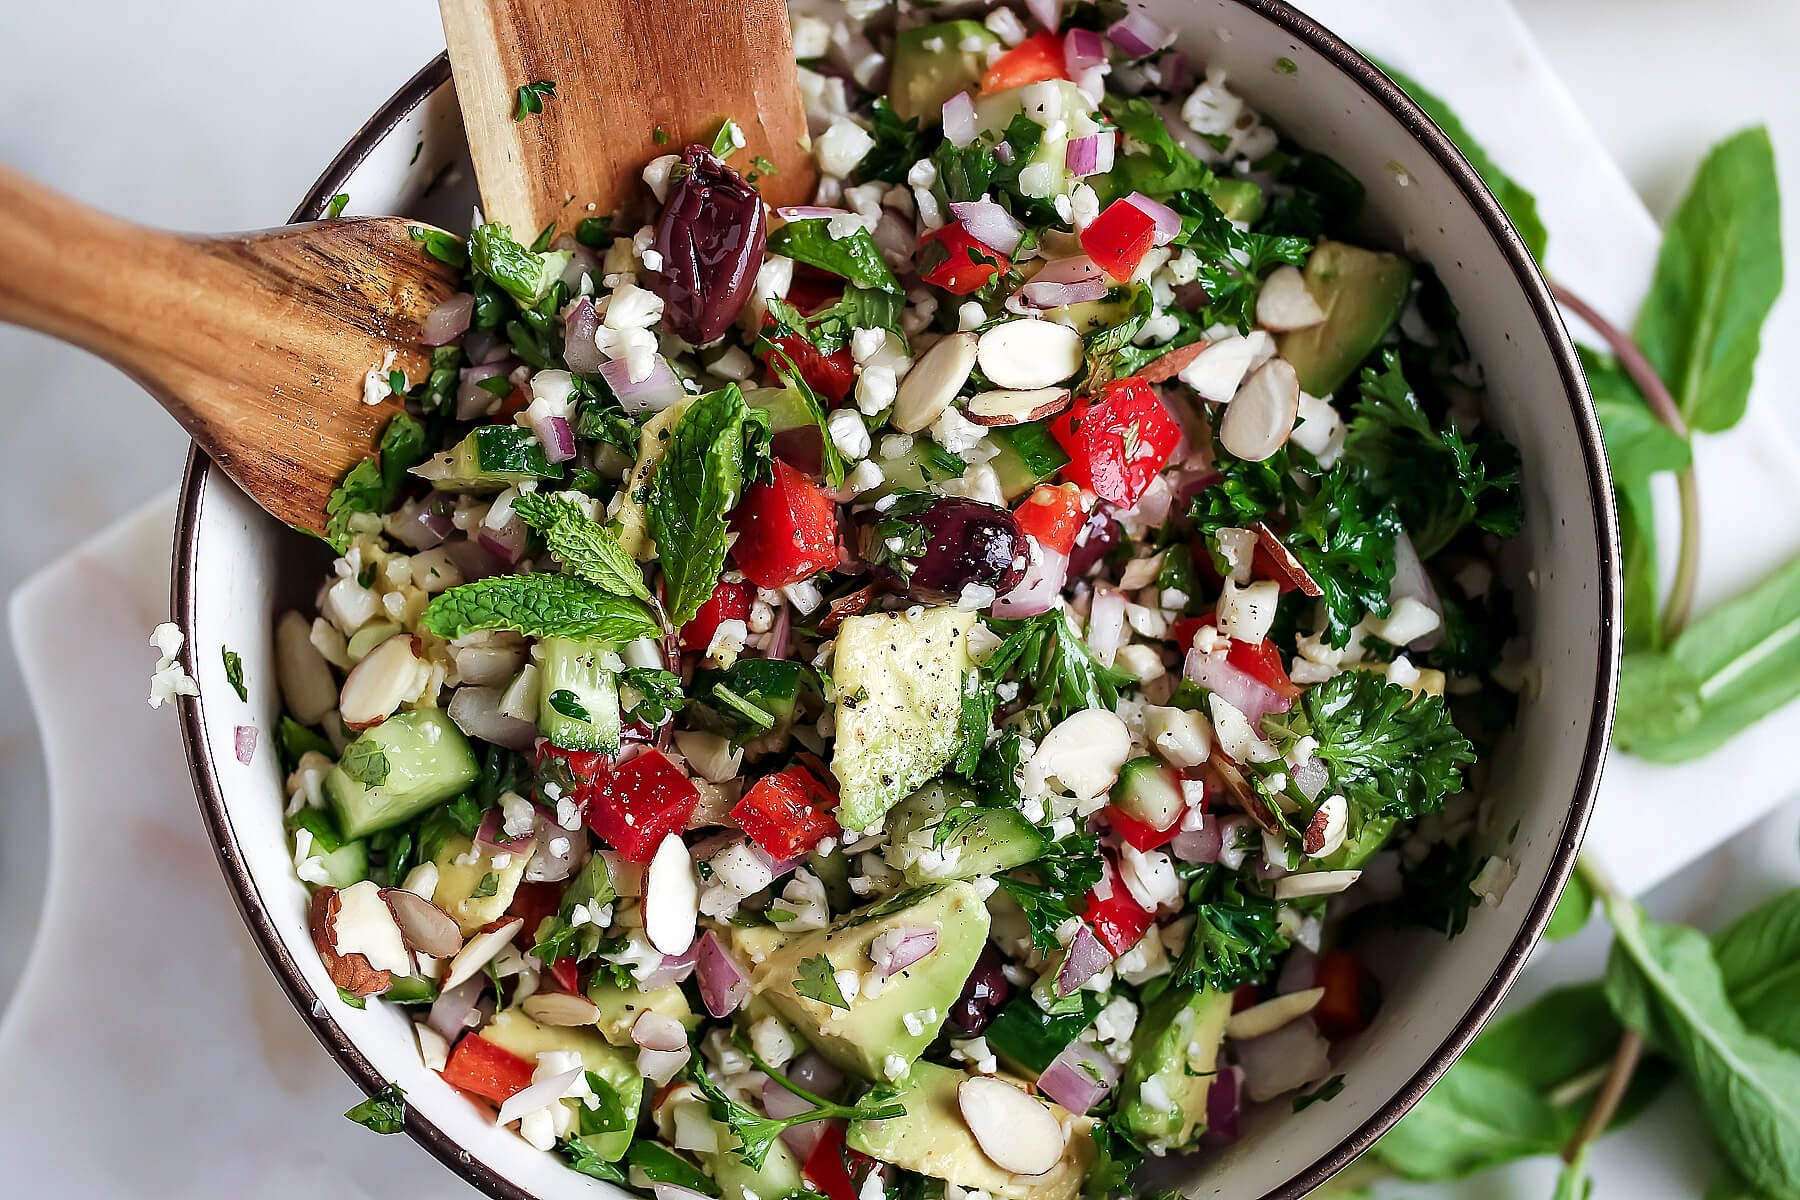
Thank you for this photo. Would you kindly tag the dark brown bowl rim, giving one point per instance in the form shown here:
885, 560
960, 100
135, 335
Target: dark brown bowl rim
1525, 271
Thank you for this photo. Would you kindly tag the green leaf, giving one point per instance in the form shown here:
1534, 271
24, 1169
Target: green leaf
1717, 276
488, 885
756, 1134
445, 247
1237, 938
1638, 445
531, 97
830, 328
336, 207
898, 145
581, 1157
1662, 981
660, 690
692, 491
585, 547
662, 1165
1047, 653
1729, 1185
1519, 204
1573, 908
365, 762
540, 605
831, 458
1388, 751
729, 140
384, 1112
1637, 549
1345, 538
817, 981
1164, 167
295, 739
1725, 672
569, 705
854, 257
375, 483
1759, 961
234, 672
520, 272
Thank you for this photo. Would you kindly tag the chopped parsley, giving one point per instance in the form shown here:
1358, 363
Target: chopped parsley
532, 97
817, 981
384, 1112
234, 672
756, 1135
335, 206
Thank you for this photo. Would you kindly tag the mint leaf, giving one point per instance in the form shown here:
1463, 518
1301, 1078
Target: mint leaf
817, 981
541, 605
384, 1112
517, 270
365, 762
585, 547
854, 257
234, 672
532, 97
336, 206
375, 483
488, 886
569, 705
1164, 167
692, 492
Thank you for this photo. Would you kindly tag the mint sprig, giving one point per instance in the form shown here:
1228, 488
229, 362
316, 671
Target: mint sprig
541, 605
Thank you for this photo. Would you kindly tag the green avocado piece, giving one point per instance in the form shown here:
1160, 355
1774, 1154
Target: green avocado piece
1174, 1056
878, 1031
1362, 293
428, 761
1239, 199
459, 881
899, 684
490, 459
620, 1007
933, 1139
931, 65
513, 1030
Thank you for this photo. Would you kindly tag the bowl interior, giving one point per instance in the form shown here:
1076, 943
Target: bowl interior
236, 568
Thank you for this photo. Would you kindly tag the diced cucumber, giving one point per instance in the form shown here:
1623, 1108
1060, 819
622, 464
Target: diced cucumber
981, 841
491, 458
1026, 1039
1362, 293
785, 407
428, 761
1150, 792
759, 696
924, 462
1028, 456
934, 62
1065, 113
368, 637
346, 865
573, 681
1111, 309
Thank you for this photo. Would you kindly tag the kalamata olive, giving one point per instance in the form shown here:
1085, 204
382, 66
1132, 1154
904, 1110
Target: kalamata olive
934, 547
984, 994
711, 238
1094, 541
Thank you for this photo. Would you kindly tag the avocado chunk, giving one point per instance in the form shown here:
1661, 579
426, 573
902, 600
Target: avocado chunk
934, 62
1239, 199
933, 1139
874, 1038
684, 1110
459, 879
633, 517
899, 698
513, 1030
1362, 293
489, 459
1174, 1056
427, 759
620, 1007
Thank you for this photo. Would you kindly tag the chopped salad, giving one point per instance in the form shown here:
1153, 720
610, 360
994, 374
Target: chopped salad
925, 692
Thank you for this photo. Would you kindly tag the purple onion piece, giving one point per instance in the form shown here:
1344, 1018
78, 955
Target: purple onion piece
1224, 1101
448, 321
579, 328
245, 743
1084, 959
723, 981
1080, 1077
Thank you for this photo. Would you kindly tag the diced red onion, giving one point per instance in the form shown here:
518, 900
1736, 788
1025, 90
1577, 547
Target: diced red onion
814, 1072
422, 525
1224, 1101
449, 1014
780, 1103
489, 836
914, 942
579, 327
1106, 623
506, 543
470, 559
808, 212
246, 743
1080, 1077
653, 393
1084, 959
1174, 72
476, 711
1004, 152
448, 321
1290, 1057
959, 120
1411, 581
1091, 154
1297, 972
546, 864
473, 401
1066, 281
1138, 36
556, 437
544, 1091
582, 261
673, 969
674, 1191
1152, 508
1168, 221
989, 224
1312, 777
483, 346
1243, 691
1047, 12
894, 236
805, 1137
1091, 83
1200, 845
723, 981
1038, 590
1083, 48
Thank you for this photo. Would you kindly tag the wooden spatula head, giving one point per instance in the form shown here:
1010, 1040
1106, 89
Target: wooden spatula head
624, 71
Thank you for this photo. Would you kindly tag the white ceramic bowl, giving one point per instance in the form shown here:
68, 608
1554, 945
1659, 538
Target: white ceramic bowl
236, 567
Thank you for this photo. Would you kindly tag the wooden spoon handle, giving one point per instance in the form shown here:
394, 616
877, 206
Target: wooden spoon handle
251, 341
624, 70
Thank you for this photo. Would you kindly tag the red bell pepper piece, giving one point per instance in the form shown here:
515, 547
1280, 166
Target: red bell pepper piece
729, 601
1117, 441
533, 902
567, 975
787, 529
1352, 994
1118, 921
1263, 663
1119, 238
1053, 515
787, 813
967, 265
832, 1164
1145, 837
640, 803
1037, 58
484, 1069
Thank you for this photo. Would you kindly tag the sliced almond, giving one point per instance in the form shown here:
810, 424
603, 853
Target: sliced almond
1314, 883
351, 972
387, 675
1271, 1015
1224, 778
671, 897
1167, 367
1017, 1132
1285, 562
307, 684
1083, 753
1325, 832
1260, 417
427, 928
933, 382
1284, 303
480, 950
1030, 354
365, 925
1009, 406
561, 1008
1218, 371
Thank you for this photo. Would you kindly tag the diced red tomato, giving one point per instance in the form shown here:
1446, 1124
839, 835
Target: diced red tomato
638, 804
1352, 994
1264, 663
516, 401
1053, 515
787, 813
1119, 238
813, 289
1243, 996
484, 1069
1117, 441
831, 375
1037, 58
1184, 630
729, 601
586, 767
969, 264
1118, 921
832, 1164
566, 974
1140, 834
787, 529
533, 902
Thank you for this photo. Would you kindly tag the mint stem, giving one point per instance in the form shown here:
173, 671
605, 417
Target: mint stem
1626, 1057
